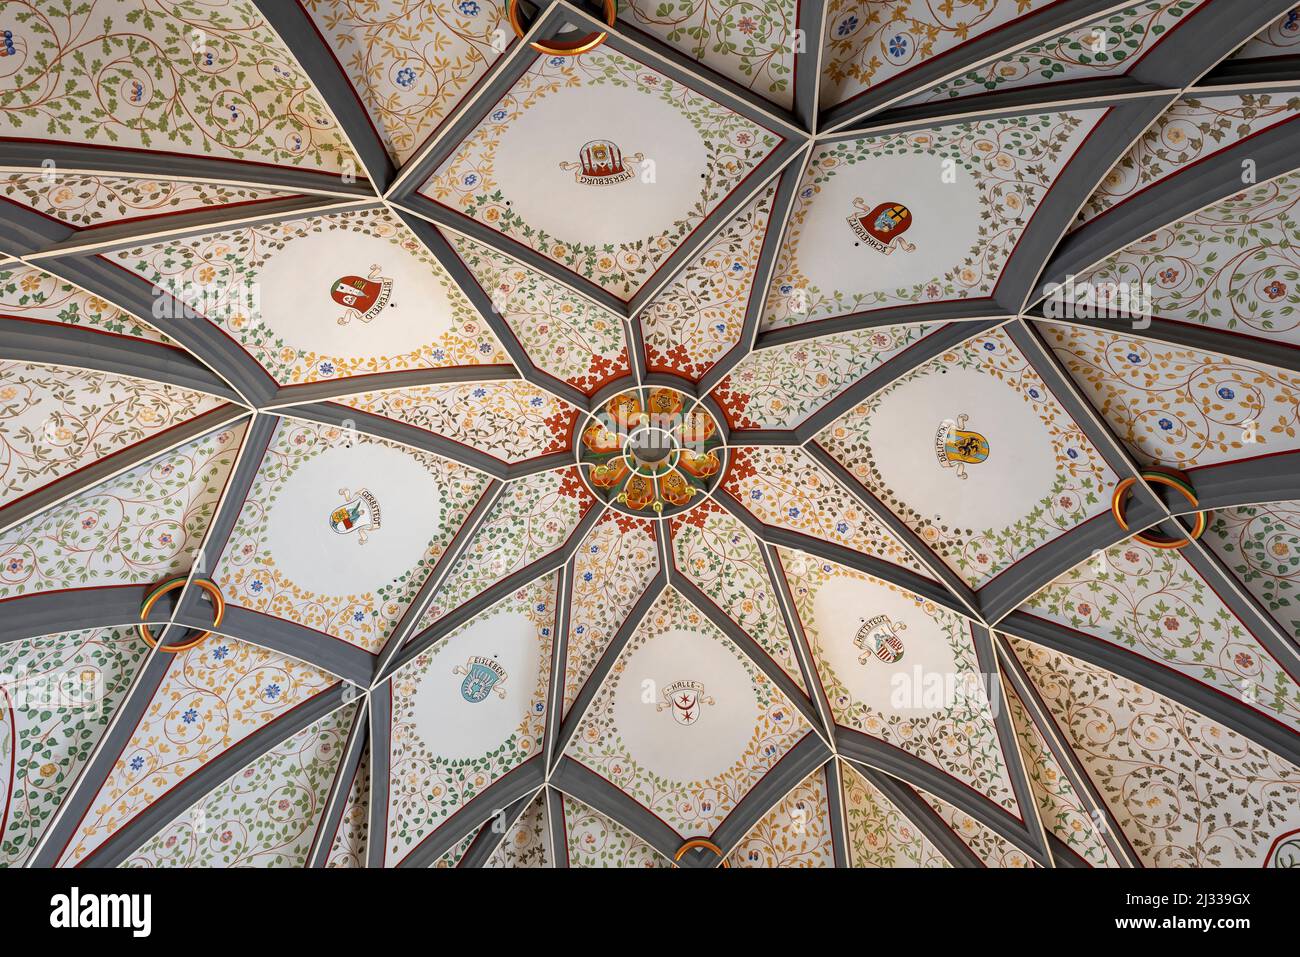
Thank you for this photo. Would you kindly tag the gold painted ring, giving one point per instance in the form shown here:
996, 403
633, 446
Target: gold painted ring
695, 842
1170, 478
169, 586
572, 47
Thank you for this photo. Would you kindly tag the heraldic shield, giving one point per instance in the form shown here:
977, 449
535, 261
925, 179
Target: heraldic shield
878, 636
362, 297
685, 699
956, 447
881, 227
482, 677
359, 514
601, 162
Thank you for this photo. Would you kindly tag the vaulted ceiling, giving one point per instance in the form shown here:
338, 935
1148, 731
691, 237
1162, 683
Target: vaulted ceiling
560, 432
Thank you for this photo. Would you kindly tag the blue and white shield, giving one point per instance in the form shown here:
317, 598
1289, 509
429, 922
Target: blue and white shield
482, 675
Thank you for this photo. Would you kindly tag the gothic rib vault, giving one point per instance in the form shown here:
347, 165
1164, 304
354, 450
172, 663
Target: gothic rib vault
332, 303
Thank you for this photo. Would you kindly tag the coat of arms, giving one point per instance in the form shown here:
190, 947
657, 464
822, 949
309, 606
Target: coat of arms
878, 636
685, 699
882, 227
359, 513
957, 447
482, 677
600, 163
362, 297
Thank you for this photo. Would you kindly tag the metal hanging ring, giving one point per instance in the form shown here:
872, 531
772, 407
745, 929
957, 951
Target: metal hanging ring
583, 44
1170, 479
169, 586
695, 842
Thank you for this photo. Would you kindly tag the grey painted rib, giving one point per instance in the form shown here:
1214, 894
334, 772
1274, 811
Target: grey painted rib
441, 250
835, 803
344, 779
167, 807
747, 645
913, 357
25, 507
878, 510
590, 687
557, 838
808, 63
1063, 856
777, 224
490, 838
875, 753
380, 702
559, 660
332, 389
55, 612
256, 441
1119, 128
794, 627
1259, 74
24, 231
788, 773
912, 806
1054, 19
1188, 335
135, 295
1175, 197
61, 344
1214, 704
516, 784
582, 784
84, 158
1209, 34
455, 548
101, 240
403, 433
1049, 561
925, 313
1269, 478
74, 807
1111, 833
1268, 631
987, 658
298, 32
1087, 93
839, 554
326, 652
466, 612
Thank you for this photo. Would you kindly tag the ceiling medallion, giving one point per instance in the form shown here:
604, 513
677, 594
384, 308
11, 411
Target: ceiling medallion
652, 450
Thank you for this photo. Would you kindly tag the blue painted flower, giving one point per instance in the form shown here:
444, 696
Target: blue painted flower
587, 576
1072, 453
736, 267
479, 393
557, 61
785, 289
794, 511
271, 692
756, 494
485, 348
898, 46
1134, 358
190, 716
405, 78
327, 368
1035, 394
469, 179
841, 527
989, 347
499, 115
468, 8
439, 355
358, 615
256, 586
580, 630
847, 26
536, 401
220, 653
1165, 424
1226, 393
137, 763
546, 632
541, 606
